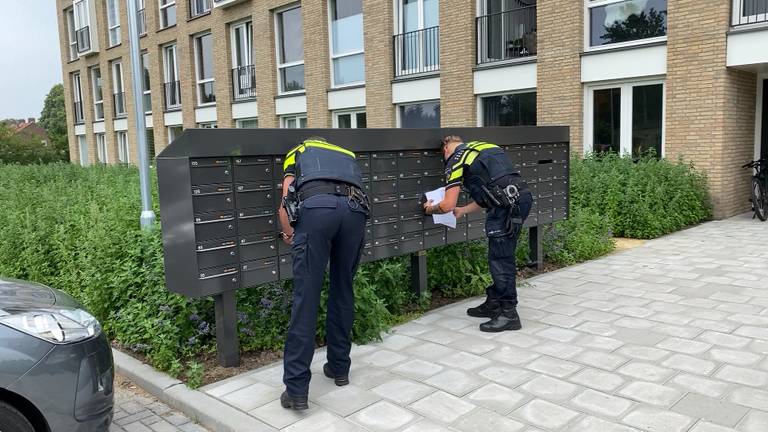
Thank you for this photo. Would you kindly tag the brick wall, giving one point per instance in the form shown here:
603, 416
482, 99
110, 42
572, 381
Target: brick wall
317, 74
377, 28
559, 95
457, 58
710, 119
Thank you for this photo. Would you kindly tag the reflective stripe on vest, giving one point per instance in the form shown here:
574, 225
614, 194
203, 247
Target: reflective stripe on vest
290, 158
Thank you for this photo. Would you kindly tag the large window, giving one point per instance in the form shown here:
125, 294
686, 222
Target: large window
82, 25
243, 71
123, 155
206, 93
290, 50
349, 120
347, 42
517, 109
77, 97
174, 132
199, 7
82, 147
420, 115
623, 21
171, 87
207, 125
167, 13
247, 123
145, 87
506, 29
749, 11
118, 89
293, 121
417, 46
101, 147
142, 16
71, 33
626, 118
98, 94
113, 21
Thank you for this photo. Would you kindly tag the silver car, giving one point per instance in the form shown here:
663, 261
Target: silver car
56, 371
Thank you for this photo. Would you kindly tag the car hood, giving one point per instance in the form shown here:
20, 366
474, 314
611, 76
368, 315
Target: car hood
22, 295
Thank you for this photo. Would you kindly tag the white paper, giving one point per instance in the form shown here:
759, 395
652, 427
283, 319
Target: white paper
447, 219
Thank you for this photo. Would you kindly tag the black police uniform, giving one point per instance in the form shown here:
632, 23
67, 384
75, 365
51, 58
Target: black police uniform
331, 224
479, 167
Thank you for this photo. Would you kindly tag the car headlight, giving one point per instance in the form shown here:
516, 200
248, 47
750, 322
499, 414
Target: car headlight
60, 326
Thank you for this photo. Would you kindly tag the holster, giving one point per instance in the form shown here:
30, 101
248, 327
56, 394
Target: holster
291, 206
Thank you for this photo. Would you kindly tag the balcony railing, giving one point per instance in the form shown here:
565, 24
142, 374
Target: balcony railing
83, 38
417, 52
172, 95
506, 35
244, 82
78, 112
118, 99
750, 12
142, 21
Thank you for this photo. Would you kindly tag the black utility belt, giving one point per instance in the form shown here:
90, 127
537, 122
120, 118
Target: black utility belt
332, 188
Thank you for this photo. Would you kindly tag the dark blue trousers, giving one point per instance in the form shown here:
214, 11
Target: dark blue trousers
502, 243
329, 227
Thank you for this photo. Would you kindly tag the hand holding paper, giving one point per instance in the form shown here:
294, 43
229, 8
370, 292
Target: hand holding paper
447, 219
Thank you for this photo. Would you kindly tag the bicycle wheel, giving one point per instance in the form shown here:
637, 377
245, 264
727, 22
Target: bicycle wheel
759, 200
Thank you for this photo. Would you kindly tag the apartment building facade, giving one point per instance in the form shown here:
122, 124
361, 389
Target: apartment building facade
682, 78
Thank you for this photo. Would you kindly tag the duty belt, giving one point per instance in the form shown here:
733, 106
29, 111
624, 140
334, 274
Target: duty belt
326, 187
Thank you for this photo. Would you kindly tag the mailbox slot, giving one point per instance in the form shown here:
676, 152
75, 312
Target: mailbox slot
253, 169
252, 221
258, 272
209, 226
210, 170
434, 237
256, 247
286, 267
386, 251
218, 280
457, 235
211, 198
255, 195
216, 253
385, 229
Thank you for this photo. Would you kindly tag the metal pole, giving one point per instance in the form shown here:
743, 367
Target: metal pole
147, 215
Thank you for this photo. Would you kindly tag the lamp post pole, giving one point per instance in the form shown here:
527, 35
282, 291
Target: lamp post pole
147, 218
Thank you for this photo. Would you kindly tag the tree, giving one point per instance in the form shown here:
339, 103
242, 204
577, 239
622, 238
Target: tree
15, 148
54, 120
635, 27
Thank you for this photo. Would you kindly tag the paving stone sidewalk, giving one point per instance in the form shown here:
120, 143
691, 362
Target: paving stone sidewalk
136, 412
671, 336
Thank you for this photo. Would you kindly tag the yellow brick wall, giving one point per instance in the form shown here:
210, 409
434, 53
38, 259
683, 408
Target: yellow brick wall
378, 31
457, 58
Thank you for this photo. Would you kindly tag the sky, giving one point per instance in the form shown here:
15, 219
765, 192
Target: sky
30, 61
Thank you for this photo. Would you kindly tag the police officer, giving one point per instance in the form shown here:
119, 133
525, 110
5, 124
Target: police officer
485, 171
323, 182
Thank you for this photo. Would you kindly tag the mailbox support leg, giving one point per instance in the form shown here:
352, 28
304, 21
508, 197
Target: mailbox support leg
537, 250
227, 340
419, 272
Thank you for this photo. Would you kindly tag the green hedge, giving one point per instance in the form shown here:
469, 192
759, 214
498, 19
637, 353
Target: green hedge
641, 198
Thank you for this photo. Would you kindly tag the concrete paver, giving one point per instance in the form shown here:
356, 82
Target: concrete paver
135, 411
671, 336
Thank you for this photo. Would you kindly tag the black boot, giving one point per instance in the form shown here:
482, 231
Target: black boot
298, 403
488, 309
340, 380
507, 319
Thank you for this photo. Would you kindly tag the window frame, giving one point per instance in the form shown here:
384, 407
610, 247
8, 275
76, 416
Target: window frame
118, 64
298, 117
353, 117
198, 81
168, 132
334, 57
587, 27
208, 125
94, 86
69, 15
82, 144
278, 45
625, 131
166, 75
163, 19
113, 28
398, 113
480, 108
86, 14
123, 149
146, 92
193, 13
239, 122
101, 148
247, 26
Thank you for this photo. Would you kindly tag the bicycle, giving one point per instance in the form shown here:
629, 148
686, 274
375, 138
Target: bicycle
759, 191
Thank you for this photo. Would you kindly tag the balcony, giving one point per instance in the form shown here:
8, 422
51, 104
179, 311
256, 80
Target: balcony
172, 95
244, 82
118, 100
506, 35
142, 21
749, 12
417, 52
78, 113
83, 38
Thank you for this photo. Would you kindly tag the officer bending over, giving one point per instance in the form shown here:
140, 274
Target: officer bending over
323, 216
485, 171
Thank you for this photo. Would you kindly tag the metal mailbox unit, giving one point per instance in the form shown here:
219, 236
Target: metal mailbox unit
220, 190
